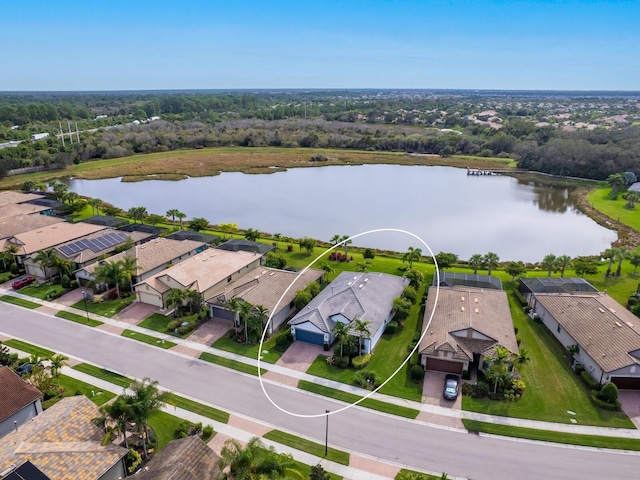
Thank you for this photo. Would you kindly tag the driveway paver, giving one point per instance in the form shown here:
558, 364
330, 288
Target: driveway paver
432, 391
300, 355
72, 297
136, 312
212, 330
630, 400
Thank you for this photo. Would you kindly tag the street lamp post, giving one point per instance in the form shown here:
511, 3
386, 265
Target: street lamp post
326, 436
84, 297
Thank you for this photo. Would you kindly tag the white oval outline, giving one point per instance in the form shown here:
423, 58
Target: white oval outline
275, 308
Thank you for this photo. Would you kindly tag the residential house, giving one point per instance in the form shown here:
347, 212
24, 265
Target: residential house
208, 272
464, 327
606, 333
9, 197
351, 296
184, 459
267, 287
20, 401
64, 444
21, 223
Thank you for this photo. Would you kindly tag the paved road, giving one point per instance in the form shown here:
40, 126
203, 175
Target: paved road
388, 437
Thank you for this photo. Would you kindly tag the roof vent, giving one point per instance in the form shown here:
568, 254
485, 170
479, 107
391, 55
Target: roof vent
601, 310
618, 324
462, 299
462, 309
204, 259
349, 284
355, 278
361, 285
476, 299
612, 310
629, 324
477, 310
272, 274
366, 280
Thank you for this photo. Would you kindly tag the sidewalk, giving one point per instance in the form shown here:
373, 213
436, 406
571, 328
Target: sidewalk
297, 375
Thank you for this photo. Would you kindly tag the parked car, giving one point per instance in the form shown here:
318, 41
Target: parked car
451, 387
22, 282
24, 369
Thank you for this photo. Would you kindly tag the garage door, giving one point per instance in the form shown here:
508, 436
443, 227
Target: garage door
309, 337
625, 382
150, 298
444, 365
220, 312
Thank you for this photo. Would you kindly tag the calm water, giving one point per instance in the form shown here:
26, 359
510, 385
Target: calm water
451, 211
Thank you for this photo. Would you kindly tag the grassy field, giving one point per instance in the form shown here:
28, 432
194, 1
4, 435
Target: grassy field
350, 398
29, 348
19, 302
230, 363
148, 339
599, 199
103, 374
199, 408
557, 437
107, 308
552, 388
74, 387
269, 352
164, 425
43, 292
82, 319
333, 455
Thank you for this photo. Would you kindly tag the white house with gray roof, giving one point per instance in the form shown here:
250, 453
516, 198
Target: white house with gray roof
351, 296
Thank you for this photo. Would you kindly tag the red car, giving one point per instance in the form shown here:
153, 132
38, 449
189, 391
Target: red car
22, 282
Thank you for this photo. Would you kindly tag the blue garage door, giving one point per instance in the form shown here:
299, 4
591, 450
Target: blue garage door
309, 337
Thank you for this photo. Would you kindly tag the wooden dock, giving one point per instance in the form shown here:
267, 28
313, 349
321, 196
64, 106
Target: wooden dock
481, 172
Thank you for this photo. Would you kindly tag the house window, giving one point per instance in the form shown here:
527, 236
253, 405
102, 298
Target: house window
228, 278
559, 329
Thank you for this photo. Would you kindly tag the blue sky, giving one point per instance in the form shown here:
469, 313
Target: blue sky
478, 44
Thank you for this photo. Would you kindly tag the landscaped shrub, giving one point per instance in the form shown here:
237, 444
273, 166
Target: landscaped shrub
390, 328
536, 318
14, 268
368, 380
173, 324
282, 343
65, 282
207, 432
183, 330
132, 460
313, 288
608, 393
466, 375
183, 429
632, 301
52, 294
417, 373
591, 383
602, 404
480, 390
361, 361
579, 368
410, 293
341, 362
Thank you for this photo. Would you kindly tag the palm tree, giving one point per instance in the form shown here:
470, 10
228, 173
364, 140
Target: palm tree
497, 371
634, 259
57, 362
95, 203
5, 257
363, 266
233, 304
522, 358
277, 237
194, 301
411, 255
491, 261
261, 314
632, 198
341, 334
110, 273
181, 216
70, 197
251, 234
59, 190
617, 181
475, 262
63, 266
620, 254
245, 313
118, 413
563, 262
345, 242
144, 401
129, 269
609, 254
173, 213
45, 258
175, 298
255, 461
362, 327
549, 263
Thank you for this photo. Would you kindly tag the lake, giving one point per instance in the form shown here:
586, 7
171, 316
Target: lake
448, 209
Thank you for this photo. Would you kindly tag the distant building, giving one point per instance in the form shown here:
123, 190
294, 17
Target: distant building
98, 117
38, 136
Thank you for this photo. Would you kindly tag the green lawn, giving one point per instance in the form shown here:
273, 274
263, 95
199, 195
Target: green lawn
557, 437
108, 308
304, 471
159, 322
599, 198
199, 408
103, 374
269, 352
73, 387
44, 291
552, 388
19, 301
141, 337
308, 446
29, 348
416, 475
230, 363
350, 398
82, 319
164, 425
6, 276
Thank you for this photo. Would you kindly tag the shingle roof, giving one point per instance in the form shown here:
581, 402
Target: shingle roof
367, 296
23, 223
13, 209
49, 236
462, 311
185, 459
16, 393
153, 254
62, 442
603, 328
11, 196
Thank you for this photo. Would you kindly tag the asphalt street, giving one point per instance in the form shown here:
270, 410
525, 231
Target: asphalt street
391, 438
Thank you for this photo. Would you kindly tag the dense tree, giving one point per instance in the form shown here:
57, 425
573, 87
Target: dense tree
415, 277
341, 334
361, 327
515, 270
308, 244
445, 260
475, 262
585, 266
301, 299
5, 355
634, 259
490, 261
251, 234
137, 214
255, 461
549, 263
145, 400
198, 223
173, 213
401, 307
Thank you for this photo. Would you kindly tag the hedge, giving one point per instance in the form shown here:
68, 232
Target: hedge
604, 405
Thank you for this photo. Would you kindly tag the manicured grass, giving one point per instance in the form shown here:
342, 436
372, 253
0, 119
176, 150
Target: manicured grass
73, 387
308, 446
616, 209
230, 363
350, 398
6, 276
557, 437
43, 291
164, 425
199, 408
404, 473
552, 388
103, 374
28, 348
108, 308
269, 352
78, 319
141, 337
159, 322
304, 471
19, 301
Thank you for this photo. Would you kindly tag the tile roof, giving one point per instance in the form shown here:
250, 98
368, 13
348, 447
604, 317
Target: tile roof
185, 459
62, 442
264, 286
11, 197
17, 224
153, 254
49, 236
367, 296
16, 393
463, 313
603, 328
13, 209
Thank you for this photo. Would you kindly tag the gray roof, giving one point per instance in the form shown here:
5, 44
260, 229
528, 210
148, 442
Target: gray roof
555, 285
184, 459
236, 244
107, 221
195, 236
635, 187
367, 296
450, 279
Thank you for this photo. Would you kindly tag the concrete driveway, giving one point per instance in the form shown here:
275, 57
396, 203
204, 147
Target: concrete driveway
432, 391
136, 312
72, 297
300, 355
630, 400
211, 330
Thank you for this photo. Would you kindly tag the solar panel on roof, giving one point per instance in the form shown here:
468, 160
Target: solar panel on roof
66, 250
